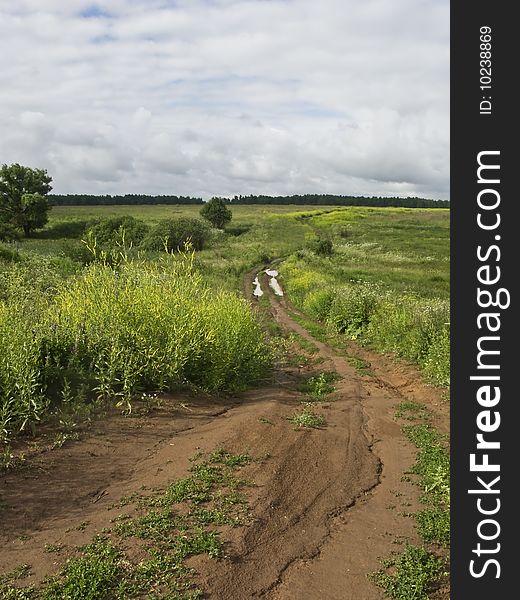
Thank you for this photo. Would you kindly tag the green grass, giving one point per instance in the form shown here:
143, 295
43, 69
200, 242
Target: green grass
303, 342
318, 387
109, 334
386, 284
433, 469
410, 575
362, 366
307, 418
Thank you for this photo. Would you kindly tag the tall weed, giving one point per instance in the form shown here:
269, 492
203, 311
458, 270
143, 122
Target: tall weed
121, 331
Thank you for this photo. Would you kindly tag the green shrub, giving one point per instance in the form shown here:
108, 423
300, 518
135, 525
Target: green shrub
409, 576
173, 235
116, 230
410, 326
9, 254
352, 308
436, 363
9, 233
321, 247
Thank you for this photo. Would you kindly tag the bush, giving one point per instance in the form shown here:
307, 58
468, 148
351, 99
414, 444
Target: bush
352, 308
322, 247
8, 233
75, 250
9, 254
173, 235
408, 326
116, 230
216, 212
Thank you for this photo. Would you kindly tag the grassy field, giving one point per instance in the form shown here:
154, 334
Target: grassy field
84, 328
377, 275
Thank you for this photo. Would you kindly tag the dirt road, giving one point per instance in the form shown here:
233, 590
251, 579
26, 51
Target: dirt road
327, 502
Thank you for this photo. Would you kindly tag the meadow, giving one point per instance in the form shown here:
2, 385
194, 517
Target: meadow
80, 324
110, 306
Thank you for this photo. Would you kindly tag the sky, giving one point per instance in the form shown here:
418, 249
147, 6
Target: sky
222, 97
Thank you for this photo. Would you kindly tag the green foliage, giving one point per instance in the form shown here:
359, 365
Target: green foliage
433, 468
8, 254
174, 235
8, 232
93, 576
319, 386
308, 418
433, 525
23, 202
322, 247
410, 575
144, 326
216, 212
318, 302
436, 363
116, 230
415, 329
353, 307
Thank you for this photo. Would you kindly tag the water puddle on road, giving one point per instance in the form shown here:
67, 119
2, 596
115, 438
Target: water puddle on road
258, 288
273, 282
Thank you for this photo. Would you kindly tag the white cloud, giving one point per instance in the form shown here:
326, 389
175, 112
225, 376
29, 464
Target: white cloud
228, 96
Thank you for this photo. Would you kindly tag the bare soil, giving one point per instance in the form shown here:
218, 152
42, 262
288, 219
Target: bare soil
327, 502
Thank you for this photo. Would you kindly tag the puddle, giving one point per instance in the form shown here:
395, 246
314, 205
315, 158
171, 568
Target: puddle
258, 289
273, 282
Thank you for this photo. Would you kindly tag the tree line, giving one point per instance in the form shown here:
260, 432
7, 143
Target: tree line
126, 199
337, 200
299, 199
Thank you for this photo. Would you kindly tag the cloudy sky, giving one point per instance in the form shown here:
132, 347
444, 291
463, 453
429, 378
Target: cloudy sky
224, 97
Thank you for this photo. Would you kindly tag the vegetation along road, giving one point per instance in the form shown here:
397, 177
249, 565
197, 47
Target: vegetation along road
168, 434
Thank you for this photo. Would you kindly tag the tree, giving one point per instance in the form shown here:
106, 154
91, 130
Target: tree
23, 201
216, 212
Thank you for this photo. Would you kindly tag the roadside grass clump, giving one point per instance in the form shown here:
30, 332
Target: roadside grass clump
436, 363
433, 468
319, 386
303, 342
321, 246
353, 307
416, 329
362, 366
409, 576
92, 576
116, 332
412, 411
307, 418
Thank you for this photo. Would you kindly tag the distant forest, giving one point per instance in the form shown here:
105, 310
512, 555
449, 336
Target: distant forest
91, 200
305, 199
333, 200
